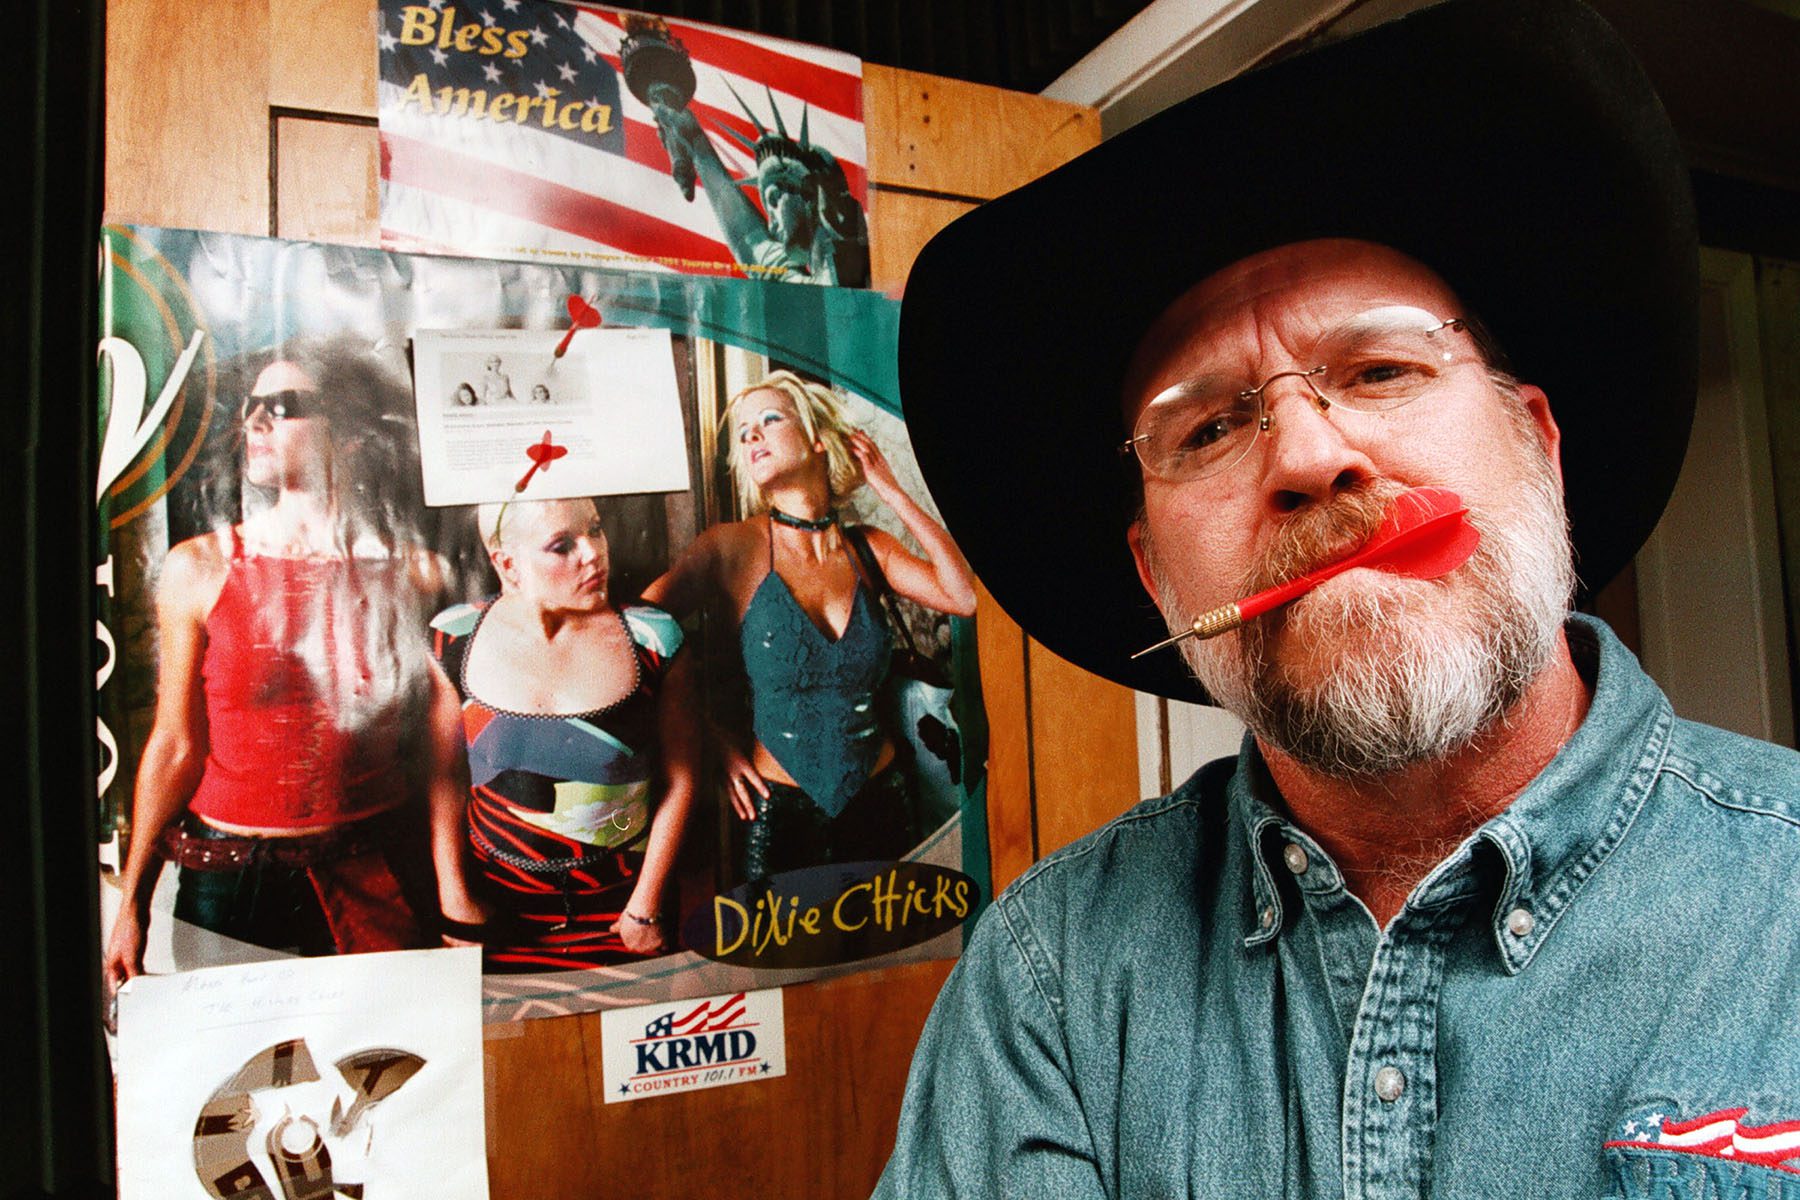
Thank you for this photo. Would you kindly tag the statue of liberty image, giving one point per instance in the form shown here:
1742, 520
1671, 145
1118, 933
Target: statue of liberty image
810, 227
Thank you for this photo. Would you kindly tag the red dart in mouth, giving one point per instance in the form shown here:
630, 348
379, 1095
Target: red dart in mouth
1425, 534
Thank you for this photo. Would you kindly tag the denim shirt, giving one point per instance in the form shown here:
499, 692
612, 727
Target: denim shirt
1596, 995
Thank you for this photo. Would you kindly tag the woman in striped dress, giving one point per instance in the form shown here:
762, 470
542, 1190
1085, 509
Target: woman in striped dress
576, 715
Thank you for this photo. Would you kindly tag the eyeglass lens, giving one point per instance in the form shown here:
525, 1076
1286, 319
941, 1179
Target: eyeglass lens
1374, 362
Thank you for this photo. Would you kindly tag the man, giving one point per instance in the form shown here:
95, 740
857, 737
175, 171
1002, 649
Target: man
1472, 914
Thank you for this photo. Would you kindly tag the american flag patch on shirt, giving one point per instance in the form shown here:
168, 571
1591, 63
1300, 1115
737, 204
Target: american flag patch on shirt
1720, 1134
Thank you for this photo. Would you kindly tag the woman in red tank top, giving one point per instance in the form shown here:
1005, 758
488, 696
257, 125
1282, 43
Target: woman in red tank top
276, 770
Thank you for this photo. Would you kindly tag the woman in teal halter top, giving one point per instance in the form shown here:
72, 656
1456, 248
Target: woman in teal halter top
816, 780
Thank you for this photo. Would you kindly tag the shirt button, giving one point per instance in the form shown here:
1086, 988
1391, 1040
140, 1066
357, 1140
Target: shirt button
1267, 917
1520, 922
1294, 855
1389, 1083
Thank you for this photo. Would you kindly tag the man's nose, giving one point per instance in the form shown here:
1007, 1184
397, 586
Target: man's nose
1306, 459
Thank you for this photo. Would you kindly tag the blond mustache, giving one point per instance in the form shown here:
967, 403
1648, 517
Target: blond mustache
1317, 536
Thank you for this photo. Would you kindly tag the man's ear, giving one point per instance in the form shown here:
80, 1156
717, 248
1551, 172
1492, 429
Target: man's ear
1134, 537
1537, 407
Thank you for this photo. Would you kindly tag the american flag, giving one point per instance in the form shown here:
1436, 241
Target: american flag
1717, 1134
706, 1017
571, 167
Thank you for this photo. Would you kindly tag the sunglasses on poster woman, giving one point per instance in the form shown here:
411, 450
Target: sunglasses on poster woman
281, 406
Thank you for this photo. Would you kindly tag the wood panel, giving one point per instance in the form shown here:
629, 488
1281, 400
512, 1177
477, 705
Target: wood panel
965, 139
1083, 749
1012, 833
824, 1130
312, 64
327, 181
901, 224
187, 114
541, 1136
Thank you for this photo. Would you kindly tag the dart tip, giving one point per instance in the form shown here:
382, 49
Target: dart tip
1223, 619
1168, 641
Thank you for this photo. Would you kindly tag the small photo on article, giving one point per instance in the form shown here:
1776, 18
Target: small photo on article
495, 380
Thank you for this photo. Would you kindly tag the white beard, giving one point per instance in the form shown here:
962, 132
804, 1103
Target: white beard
1416, 669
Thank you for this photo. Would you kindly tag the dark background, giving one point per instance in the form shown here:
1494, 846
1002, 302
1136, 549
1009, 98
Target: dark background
55, 1118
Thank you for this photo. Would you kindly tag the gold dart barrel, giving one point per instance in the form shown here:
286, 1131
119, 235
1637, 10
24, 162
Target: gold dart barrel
1220, 620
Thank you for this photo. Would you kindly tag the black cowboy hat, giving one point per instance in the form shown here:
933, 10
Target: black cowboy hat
1513, 146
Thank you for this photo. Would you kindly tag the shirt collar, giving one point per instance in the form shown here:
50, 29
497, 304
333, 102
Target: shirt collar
1548, 841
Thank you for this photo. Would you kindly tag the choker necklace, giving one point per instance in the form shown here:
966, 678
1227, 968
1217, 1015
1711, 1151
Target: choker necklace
792, 522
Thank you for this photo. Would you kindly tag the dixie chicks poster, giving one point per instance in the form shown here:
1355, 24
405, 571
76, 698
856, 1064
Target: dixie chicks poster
599, 619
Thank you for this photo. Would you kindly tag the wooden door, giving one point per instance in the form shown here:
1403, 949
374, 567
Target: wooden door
258, 117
